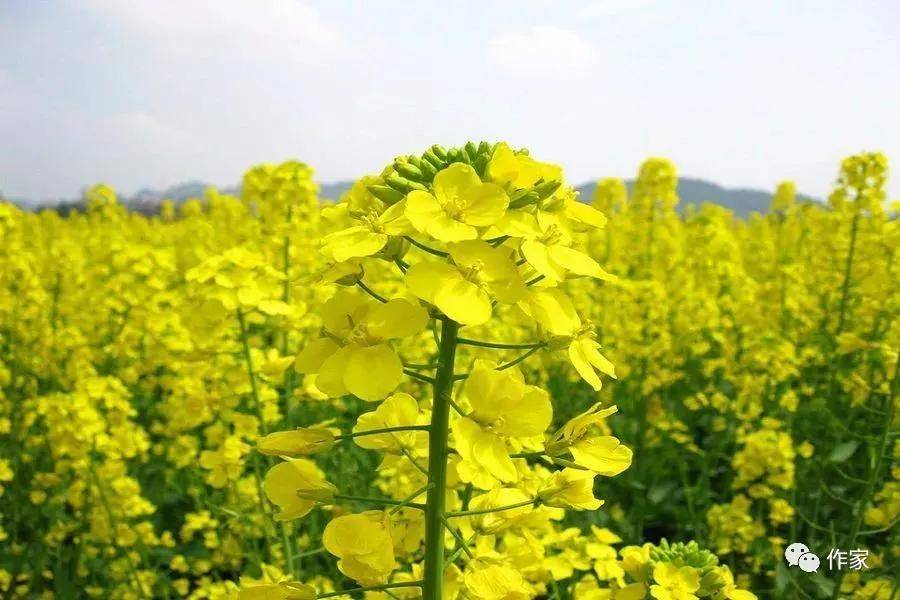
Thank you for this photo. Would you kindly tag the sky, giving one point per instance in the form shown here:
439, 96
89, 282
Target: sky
152, 93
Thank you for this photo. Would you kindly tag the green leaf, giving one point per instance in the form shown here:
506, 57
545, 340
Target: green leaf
843, 451
660, 491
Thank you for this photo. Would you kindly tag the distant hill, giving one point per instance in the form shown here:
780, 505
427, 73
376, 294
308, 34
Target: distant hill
741, 201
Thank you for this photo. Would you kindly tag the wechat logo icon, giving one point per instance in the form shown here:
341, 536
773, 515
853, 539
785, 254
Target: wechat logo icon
799, 555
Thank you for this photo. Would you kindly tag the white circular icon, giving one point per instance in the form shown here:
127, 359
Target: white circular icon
809, 563
793, 553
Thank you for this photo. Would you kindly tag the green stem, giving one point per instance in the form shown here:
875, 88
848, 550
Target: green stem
112, 525
458, 536
848, 271
384, 501
487, 511
371, 292
248, 358
258, 460
425, 248
347, 436
374, 588
409, 499
437, 463
499, 346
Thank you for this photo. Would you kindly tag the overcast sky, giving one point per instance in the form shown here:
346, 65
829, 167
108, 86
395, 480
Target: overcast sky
156, 92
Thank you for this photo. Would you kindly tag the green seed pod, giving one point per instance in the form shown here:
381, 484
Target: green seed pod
409, 170
440, 152
434, 160
401, 184
546, 189
529, 197
386, 194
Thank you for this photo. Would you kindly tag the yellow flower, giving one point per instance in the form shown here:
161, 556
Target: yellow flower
295, 486
554, 310
363, 544
503, 406
495, 522
368, 238
519, 170
286, 590
460, 204
225, 463
355, 355
674, 583
398, 410
548, 251
463, 290
488, 580
299, 442
602, 454
729, 590
570, 488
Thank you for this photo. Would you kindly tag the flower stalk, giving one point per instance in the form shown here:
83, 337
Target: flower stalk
437, 462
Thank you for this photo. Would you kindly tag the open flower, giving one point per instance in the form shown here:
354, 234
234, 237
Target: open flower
487, 579
460, 204
554, 311
295, 486
355, 355
503, 406
550, 253
464, 289
674, 583
519, 170
370, 236
363, 544
398, 410
602, 454
570, 488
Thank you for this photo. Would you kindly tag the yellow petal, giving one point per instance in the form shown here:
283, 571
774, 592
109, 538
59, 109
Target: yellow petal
425, 278
582, 364
463, 301
538, 256
583, 213
372, 373
353, 242
452, 183
314, 354
603, 454
396, 318
330, 378
421, 209
578, 263
553, 309
485, 205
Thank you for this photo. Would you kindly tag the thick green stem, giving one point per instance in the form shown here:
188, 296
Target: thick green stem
437, 463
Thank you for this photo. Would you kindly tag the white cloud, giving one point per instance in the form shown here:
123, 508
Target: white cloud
274, 30
542, 51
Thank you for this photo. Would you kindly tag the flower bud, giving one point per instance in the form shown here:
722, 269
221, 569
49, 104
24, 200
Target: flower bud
300, 442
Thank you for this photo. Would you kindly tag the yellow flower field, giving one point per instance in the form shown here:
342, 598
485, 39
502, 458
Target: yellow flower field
461, 380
